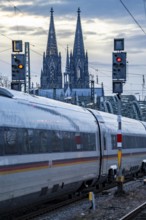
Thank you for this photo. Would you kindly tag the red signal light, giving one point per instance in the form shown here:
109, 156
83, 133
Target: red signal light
119, 59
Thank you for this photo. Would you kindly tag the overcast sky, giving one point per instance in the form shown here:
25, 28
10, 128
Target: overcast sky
102, 21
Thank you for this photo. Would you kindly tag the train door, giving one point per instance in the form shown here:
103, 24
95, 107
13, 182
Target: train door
99, 147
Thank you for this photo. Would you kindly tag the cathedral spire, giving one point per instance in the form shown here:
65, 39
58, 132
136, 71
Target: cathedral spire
67, 61
51, 76
78, 50
52, 43
78, 62
67, 71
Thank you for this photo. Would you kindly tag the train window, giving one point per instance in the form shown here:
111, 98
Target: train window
92, 142
66, 141
10, 136
56, 141
114, 141
36, 141
85, 141
142, 142
30, 140
25, 148
49, 134
133, 142
43, 136
72, 142
88, 141
20, 140
78, 141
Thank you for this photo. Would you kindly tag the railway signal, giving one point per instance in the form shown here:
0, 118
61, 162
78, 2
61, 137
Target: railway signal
119, 66
117, 87
17, 46
119, 77
16, 86
18, 66
119, 44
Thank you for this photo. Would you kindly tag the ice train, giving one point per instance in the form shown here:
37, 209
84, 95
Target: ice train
50, 148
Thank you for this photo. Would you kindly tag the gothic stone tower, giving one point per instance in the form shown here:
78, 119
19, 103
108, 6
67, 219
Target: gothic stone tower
79, 75
51, 75
67, 72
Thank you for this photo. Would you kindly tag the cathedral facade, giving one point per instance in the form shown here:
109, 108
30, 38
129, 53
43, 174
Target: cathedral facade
76, 73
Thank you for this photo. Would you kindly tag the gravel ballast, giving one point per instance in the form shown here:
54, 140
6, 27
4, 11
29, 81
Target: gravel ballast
107, 205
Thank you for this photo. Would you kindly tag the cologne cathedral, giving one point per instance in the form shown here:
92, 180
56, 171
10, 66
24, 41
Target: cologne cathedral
76, 73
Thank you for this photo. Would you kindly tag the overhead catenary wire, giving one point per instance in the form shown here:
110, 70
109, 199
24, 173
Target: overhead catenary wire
2, 51
132, 17
36, 25
100, 71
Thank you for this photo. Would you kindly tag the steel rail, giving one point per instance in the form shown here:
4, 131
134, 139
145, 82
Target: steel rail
132, 215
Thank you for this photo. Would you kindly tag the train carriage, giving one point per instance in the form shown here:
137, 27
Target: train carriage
50, 148
133, 142
46, 147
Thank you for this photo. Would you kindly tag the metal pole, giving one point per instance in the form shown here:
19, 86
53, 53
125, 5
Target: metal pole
92, 91
54, 93
120, 177
27, 68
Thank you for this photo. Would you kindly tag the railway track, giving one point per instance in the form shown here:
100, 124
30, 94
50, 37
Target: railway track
39, 210
48, 207
137, 214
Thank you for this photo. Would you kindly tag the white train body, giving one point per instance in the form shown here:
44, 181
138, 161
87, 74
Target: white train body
49, 148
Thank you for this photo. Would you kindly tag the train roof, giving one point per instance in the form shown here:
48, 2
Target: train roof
38, 99
129, 125
20, 109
